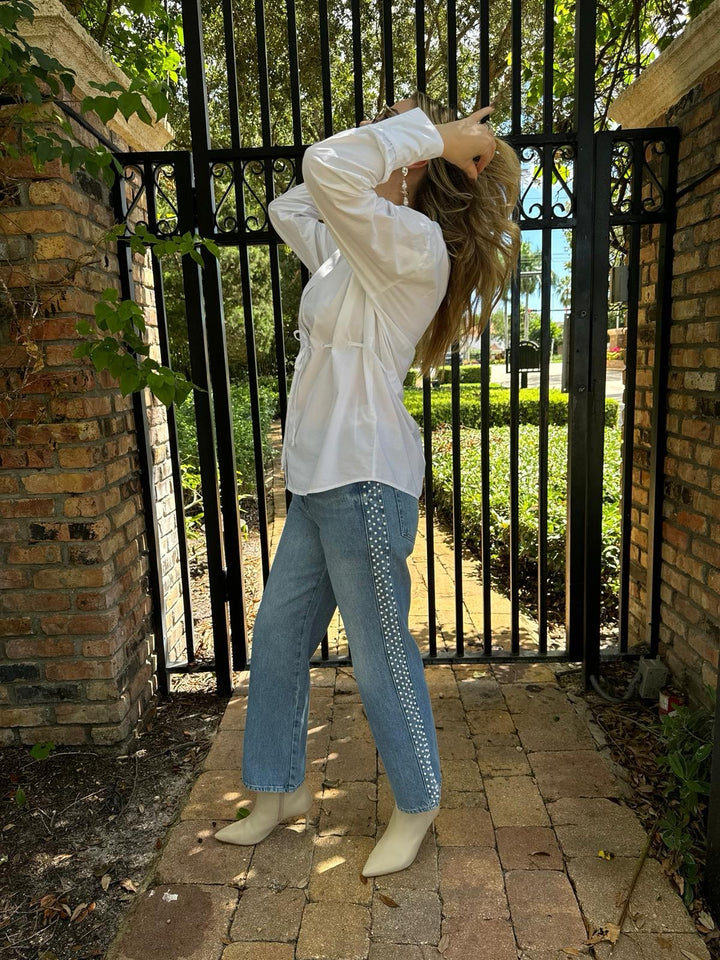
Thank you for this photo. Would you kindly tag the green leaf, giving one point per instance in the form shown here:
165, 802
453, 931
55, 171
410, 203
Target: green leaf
130, 380
159, 386
20, 798
128, 103
41, 750
104, 107
83, 327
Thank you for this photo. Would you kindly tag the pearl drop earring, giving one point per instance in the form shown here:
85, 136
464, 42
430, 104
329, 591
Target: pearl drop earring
404, 186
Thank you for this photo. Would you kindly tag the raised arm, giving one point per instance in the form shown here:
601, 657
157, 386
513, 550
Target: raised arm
297, 221
383, 242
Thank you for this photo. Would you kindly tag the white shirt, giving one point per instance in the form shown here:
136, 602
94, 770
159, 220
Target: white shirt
379, 273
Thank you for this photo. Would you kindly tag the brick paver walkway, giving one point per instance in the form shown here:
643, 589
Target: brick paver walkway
509, 870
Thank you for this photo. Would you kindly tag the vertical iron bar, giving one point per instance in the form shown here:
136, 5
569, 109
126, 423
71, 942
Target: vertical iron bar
429, 515
658, 435
420, 44
217, 348
279, 332
516, 30
387, 39
206, 435
548, 64
580, 326
457, 505
484, 87
359, 96
294, 71
232, 79
543, 423
165, 359
325, 67
452, 54
144, 450
514, 465
485, 488
629, 423
595, 443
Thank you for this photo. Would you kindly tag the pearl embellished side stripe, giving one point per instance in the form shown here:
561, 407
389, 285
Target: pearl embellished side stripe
379, 542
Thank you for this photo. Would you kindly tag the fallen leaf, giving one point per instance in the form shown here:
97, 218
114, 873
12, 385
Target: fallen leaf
81, 911
706, 920
611, 932
388, 901
605, 854
363, 879
105, 881
539, 853
443, 943
128, 885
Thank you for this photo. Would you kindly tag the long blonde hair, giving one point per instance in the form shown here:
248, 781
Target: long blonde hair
483, 242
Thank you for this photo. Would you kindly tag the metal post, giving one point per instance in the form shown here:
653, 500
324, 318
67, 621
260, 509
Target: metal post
580, 327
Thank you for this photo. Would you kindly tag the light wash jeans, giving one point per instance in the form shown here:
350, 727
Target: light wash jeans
346, 547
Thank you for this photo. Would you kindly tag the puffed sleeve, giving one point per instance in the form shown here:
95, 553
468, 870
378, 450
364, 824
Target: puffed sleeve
384, 243
297, 222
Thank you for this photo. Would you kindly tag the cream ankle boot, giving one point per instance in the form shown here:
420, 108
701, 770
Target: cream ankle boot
269, 809
398, 846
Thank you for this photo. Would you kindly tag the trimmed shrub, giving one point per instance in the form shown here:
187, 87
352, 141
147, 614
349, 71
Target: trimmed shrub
499, 519
528, 402
242, 430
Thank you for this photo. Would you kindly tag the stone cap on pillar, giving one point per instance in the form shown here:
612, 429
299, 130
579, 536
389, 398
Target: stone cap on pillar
60, 35
674, 73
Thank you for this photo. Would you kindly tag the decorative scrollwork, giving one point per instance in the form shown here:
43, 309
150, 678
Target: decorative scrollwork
134, 186
242, 190
562, 157
166, 204
220, 170
653, 198
257, 219
621, 177
531, 153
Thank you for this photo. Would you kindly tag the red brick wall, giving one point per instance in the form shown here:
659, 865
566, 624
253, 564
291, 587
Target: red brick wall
690, 592
76, 648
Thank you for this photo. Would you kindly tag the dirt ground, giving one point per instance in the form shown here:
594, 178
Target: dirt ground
73, 855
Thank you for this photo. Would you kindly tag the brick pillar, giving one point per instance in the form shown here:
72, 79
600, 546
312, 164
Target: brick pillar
76, 651
684, 84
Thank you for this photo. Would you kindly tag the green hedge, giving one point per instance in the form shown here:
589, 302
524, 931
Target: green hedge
499, 519
242, 430
529, 406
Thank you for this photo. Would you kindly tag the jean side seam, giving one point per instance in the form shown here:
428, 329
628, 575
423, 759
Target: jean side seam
302, 647
379, 527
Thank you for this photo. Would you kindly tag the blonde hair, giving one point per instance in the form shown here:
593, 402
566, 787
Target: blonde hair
482, 241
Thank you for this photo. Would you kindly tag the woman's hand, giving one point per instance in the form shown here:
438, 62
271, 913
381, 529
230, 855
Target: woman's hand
469, 144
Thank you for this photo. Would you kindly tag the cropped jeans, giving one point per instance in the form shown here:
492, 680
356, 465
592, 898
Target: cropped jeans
346, 548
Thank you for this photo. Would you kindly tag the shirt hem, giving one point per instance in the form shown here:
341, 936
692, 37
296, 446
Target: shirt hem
335, 484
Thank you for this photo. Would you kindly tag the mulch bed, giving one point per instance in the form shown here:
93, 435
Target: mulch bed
632, 731
74, 855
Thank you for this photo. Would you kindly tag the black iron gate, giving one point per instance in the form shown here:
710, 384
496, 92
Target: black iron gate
596, 186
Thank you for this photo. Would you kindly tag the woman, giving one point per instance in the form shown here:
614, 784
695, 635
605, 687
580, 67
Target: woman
402, 223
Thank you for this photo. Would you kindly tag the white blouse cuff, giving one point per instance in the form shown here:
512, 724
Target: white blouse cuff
407, 138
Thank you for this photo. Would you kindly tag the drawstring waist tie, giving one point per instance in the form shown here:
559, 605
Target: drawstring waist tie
306, 345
